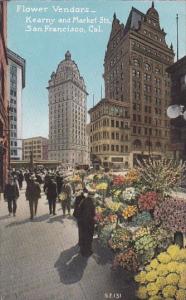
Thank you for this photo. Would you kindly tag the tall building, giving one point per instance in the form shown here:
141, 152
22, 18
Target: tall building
138, 85
4, 145
177, 72
16, 81
35, 147
67, 113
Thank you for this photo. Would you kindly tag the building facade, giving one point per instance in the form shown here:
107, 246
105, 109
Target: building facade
35, 148
67, 114
16, 83
177, 72
4, 144
135, 75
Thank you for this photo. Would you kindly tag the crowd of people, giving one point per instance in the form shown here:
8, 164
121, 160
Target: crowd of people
54, 183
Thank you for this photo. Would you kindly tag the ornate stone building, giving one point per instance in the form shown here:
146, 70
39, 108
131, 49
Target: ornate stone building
4, 143
67, 114
177, 72
136, 79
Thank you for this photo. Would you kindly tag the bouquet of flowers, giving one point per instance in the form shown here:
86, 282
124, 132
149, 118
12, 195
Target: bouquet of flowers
129, 194
142, 219
148, 201
105, 234
62, 196
127, 260
120, 239
145, 247
129, 211
102, 186
132, 176
171, 214
164, 277
163, 237
141, 232
118, 180
113, 206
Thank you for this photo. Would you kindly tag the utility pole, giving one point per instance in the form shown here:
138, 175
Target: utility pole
177, 37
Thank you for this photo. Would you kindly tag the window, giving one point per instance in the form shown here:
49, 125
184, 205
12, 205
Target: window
112, 123
183, 82
112, 147
147, 67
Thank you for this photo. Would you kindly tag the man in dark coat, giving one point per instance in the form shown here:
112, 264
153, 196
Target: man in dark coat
11, 194
84, 212
59, 182
33, 193
20, 179
50, 188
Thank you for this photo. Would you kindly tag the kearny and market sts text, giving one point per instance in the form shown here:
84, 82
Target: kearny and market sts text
74, 20
56, 9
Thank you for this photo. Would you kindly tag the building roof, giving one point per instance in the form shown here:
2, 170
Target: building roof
109, 101
35, 137
19, 61
134, 18
181, 63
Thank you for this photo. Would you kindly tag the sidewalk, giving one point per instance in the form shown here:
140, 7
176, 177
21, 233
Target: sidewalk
39, 260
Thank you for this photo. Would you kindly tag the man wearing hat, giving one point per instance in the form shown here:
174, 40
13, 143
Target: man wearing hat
11, 194
67, 189
33, 193
84, 212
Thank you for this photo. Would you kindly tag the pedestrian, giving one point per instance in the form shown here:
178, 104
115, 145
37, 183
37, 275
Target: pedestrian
66, 203
20, 179
84, 212
11, 194
59, 181
33, 193
50, 189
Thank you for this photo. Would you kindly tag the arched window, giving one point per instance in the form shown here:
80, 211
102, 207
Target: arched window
147, 67
136, 62
158, 145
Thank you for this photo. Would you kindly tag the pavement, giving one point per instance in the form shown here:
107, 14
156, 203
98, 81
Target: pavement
39, 259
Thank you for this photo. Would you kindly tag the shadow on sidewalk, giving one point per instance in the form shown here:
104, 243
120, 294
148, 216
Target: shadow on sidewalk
36, 219
71, 265
4, 217
102, 255
56, 219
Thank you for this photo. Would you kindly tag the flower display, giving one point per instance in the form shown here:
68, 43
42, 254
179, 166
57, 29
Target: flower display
111, 218
163, 237
127, 260
147, 201
120, 239
145, 246
114, 206
142, 219
140, 232
118, 180
171, 214
102, 186
165, 276
106, 234
129, 211
132, 176
129, 194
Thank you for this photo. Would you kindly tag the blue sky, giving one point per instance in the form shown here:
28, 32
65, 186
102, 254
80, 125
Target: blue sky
44, 50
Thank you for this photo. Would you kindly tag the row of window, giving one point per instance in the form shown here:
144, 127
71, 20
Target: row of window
109, 123
107, 135
108, 147
149, 131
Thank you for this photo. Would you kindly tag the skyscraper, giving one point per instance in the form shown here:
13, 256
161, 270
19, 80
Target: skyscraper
67, 114
4, 143
16, 81
136, 79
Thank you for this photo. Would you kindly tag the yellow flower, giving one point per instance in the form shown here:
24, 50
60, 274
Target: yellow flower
161, 282
154, 264
181, 294
152, 289
162, 270
173, 251
102, 186
148, 268
142, 293
173, 267
181, 256
129, 211
169, 291
181, 267
141, 277
172, 279
156, 297
164, 258
151, 276
182, 281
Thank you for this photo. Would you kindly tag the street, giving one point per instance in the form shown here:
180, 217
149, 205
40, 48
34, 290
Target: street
39, 260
